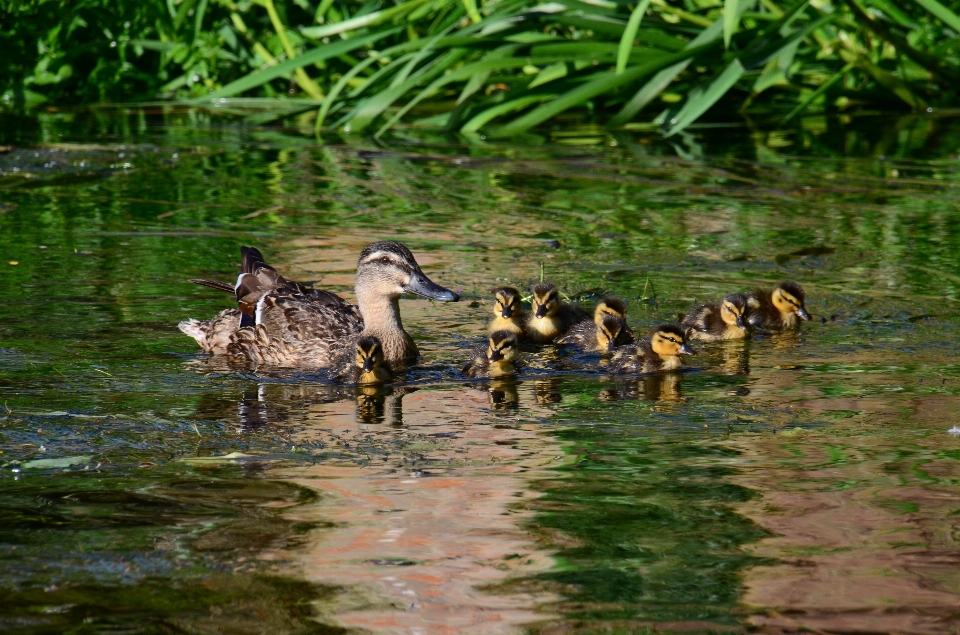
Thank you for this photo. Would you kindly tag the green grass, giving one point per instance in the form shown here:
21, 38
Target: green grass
497, 68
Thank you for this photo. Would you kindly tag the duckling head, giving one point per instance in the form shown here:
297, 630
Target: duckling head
388, 269
668, 341
370, 361
733, 310
788, 298
506, 302
610, 306
502, 353
611, 332
546, 300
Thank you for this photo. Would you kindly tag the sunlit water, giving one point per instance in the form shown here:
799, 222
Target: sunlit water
798, 482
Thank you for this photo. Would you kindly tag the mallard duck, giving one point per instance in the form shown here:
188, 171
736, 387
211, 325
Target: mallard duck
550, 318
724, 321
508, 314
497, 359
661, 352
606, 331
295, 326
782, 308
368, 366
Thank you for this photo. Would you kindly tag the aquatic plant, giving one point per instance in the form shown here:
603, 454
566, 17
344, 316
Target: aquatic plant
499, 67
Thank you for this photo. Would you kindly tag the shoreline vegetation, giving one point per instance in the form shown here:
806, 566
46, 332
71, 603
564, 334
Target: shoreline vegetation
496, 68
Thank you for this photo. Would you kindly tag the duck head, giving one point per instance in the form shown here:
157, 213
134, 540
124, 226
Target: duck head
546, 300
502, 353
787, 297
611, 332
733, 310
370, 361
388, 269
668, 341
506, 303
610, 306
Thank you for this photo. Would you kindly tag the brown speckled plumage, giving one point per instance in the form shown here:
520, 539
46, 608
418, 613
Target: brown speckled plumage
660, 353
301, 327
712, 322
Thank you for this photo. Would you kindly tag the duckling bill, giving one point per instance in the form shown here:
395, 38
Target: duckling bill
724, 321
497, 359
782, 308
662, 352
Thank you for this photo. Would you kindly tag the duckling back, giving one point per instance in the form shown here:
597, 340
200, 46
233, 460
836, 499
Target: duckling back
782, 308
726, 320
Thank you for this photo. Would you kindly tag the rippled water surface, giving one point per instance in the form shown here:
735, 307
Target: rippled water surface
803, 482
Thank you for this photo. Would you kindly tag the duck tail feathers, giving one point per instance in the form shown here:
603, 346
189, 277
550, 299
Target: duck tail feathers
213, 284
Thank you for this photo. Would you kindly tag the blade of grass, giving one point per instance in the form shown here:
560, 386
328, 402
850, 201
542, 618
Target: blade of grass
703, 97
626, 40
603, 82
481, 119
731, 18
809, 99
945, 15
370, 19
261, 77
661, 80
471, 7
300, 76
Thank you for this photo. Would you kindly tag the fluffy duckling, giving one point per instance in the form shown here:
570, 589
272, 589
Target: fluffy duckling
550, 317
368, 366
497, 359
661, 352
724, 321
507, 311
607, 330
782, 308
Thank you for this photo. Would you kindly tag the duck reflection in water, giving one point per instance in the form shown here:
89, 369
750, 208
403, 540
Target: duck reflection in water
735, 358
381, 405
659, 387
548, 391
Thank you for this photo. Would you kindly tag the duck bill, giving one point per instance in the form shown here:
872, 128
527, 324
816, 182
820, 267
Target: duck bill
686, 350
506, 313
741, 323
368, 365
802, 313
541, 311
422, 285
495, 356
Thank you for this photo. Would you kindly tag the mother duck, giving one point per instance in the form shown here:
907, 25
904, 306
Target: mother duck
282, 323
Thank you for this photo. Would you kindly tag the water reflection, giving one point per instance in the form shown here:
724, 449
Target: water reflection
661, 387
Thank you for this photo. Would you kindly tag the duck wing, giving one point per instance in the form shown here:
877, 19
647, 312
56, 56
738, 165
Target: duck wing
583, 334
294, 329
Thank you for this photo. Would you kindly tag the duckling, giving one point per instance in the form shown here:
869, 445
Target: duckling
724, 321
661, 352
299, 327
368, 366
507, 310
607, 330
550, 318
497, 359
782, 308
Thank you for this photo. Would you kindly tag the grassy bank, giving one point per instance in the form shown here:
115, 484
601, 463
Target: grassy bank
497, 68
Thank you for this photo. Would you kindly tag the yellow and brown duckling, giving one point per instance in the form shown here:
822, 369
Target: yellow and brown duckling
508, 314
782, 308
607, 331
550, 317
368, 367
661, 352
497, 359
724, 321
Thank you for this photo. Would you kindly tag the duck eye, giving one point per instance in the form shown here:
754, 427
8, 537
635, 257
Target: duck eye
384, 260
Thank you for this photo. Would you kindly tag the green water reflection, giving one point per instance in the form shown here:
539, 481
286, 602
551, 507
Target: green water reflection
657, 504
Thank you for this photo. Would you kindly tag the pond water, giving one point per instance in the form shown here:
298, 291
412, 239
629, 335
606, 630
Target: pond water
798, 482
